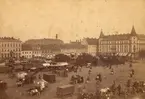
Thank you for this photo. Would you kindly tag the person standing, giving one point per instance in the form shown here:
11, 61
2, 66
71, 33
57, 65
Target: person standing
119, 89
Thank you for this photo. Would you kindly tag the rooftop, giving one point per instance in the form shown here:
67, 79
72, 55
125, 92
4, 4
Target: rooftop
26, 47
92, 41
117, 37
44, 41
73, 46
9, 39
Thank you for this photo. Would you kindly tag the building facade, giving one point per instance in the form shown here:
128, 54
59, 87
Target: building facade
49, 51
27, 54
122, 44
26, 51
75, 48
91, 44
10, 47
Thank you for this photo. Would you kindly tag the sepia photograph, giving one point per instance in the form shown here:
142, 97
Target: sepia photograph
72, 49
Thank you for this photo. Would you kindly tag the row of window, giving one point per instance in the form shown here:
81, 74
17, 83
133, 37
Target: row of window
120, 42
10, 45
8, 50
26, 52
118, 48
7, 55
28, 56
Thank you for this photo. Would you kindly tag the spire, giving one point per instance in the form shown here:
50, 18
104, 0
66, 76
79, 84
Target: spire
133, 32
101, 34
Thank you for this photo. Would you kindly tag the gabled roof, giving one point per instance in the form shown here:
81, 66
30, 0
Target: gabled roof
92, 41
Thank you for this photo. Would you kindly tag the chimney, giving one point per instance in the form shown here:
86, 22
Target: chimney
56, 36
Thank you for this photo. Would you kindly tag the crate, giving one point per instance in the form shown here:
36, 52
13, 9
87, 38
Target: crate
51, 78
65, 90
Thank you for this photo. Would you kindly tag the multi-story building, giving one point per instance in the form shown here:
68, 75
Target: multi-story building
91, 44
26, 51
73, 48
44, 47
50, 51
10, 47
123, 44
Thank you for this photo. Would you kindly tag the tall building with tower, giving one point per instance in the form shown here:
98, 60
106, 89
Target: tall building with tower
123, 44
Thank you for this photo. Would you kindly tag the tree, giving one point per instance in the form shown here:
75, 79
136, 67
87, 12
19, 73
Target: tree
62, 58
86, 58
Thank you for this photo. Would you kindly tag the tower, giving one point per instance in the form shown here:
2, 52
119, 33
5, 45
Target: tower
101, 34
133, 32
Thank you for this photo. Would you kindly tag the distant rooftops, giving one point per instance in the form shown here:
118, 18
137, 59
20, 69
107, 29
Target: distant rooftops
73, 46
44, 41
92, 41
9, 39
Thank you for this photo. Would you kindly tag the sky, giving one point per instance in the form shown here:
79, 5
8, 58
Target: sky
70, 19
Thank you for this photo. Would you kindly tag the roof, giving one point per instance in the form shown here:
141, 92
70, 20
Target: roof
9, 39
92, 41
52, 47
45, 41
26, 47
141, 36
117, 37
73, 46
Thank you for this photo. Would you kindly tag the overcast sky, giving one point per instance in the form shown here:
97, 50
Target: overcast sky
70, 19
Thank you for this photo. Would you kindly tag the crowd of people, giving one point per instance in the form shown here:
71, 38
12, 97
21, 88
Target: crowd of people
131, 87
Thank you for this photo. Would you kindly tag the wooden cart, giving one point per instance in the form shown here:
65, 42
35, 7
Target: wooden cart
65, 90
51, 78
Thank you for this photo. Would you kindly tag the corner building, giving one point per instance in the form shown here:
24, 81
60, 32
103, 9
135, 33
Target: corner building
122, 44
10, 47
